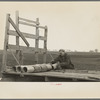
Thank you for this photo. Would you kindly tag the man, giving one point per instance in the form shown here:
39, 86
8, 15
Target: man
63, 61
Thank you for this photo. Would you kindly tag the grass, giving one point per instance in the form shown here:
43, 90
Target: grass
81, 60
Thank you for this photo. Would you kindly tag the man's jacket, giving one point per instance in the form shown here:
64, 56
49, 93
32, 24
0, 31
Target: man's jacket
64, 61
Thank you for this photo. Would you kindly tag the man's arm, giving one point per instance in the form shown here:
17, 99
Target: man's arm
55, 60
67, 61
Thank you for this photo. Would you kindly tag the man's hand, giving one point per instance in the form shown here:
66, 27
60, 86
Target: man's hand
52, 61
59, 66
58, 63
50, 64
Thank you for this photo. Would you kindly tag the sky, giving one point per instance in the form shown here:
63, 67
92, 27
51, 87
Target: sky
71, 25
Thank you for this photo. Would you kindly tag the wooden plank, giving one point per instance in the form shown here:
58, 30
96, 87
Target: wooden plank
74, 79
21, 57
37, 41
24, 23
62, 75
25, 49
5, 44
72, 71
17, 24
31, 21
41, 27
42, 38
47, 79
45, 45
79, 71
94, 72
17, 37
18, 31
27, 35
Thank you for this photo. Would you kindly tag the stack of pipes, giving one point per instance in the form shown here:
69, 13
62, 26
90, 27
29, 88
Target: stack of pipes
34, 68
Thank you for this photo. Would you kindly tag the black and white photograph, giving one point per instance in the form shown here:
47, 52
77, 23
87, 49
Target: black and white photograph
49, 42
49, 49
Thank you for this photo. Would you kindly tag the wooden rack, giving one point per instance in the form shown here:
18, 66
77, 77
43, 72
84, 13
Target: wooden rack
17, 33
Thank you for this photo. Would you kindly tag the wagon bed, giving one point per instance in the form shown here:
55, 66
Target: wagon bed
53, 75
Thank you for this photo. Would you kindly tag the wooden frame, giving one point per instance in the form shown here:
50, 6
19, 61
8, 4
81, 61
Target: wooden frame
17, 33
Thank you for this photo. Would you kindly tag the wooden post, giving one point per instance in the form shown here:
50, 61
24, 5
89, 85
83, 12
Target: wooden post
5, 43
74, 79
18, 31
45, 44
17, 37
46, 79
19, 54
37, 41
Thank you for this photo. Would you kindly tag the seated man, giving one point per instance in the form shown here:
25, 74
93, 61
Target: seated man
63, 61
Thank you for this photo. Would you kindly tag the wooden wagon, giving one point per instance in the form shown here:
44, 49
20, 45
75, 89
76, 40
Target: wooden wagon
53, 75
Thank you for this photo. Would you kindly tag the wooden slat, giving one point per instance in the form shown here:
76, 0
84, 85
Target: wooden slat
27, 20
18, 31
62, 75
47, 79
42, 38
5, 43
27, 35
72, 71
41, 27
25, 49
24, 23
37, 41
17, 24
45, 45
17, 37
94, 72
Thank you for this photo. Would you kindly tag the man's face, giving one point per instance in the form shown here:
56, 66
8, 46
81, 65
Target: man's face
62, 53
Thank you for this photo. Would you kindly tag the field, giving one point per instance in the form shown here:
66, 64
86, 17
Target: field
81, 60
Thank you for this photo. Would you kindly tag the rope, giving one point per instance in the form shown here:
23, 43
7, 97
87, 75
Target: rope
14, 55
